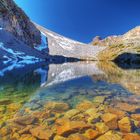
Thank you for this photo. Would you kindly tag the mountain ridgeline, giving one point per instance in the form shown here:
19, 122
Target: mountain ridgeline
21, 39
14, 20
122, 48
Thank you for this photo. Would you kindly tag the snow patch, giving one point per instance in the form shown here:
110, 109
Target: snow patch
43, 73
63, 76
44, 43
15, 59
16, 54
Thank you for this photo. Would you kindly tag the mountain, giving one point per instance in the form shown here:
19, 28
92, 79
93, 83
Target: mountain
21, 39
120, 48
17, 30
59, 45
18, 38
14, 20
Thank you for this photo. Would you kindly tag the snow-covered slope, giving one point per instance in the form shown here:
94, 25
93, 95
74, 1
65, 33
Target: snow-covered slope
43, 47
14, 53
63, 46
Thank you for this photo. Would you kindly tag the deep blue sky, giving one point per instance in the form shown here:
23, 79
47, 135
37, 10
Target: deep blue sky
83, 19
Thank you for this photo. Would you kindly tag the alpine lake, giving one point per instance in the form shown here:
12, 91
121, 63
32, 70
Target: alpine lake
70, 101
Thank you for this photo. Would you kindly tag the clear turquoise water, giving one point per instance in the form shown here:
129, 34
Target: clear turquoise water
28, 89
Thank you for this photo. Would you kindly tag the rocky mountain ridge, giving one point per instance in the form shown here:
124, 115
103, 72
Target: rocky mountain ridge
14, 20
59, 45
132, 37
129, 43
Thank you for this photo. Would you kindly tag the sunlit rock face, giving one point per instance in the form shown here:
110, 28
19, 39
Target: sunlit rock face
14, 20
117, 45
132, 37
63, 46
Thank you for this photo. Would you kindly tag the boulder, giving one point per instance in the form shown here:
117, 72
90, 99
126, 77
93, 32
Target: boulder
136, 117
15, 136
101, 127
27, 137
66, 127
84, 105
125, 125
91, 112
71, 113
5, 101
57, 137
26, 120
41, 133
110, 135
99, 99
131, 136
77, 137
4, 131
94, 118
13, 107
110, 120
91, 134
127, 107
57, 106
120, 114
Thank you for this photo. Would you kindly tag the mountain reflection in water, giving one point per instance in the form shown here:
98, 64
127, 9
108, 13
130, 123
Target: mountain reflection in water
40, 94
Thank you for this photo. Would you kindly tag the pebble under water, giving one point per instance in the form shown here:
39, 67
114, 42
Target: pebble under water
70, 101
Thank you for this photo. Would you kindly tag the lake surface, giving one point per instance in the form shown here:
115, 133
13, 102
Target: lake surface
46, 101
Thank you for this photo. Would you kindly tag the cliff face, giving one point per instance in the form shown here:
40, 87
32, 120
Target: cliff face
14, 20
129, 43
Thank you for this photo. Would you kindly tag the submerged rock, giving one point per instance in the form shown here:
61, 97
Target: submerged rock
27, 137
71, 113
125, 125
59, 138
127, 107
4, 131
5, 101
94, 118
110, 120
26, 120
101, 127
110, 135
82, 106
135, 117
120, 114
92, 111
77, 137
13, 107
91, 134
41, 133
66, 127
15, 136
99, 99
131, 136
57, 106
